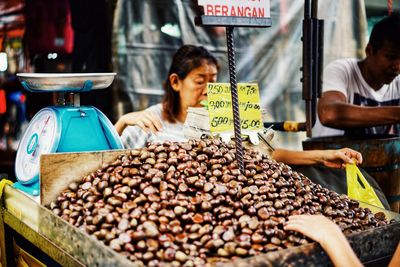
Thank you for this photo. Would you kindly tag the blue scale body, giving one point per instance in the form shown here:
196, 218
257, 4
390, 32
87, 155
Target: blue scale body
83, 128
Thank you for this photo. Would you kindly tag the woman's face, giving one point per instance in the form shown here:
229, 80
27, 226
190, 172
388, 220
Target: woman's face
193, 88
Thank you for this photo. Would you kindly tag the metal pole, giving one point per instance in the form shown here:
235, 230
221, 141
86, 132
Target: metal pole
235, 100
315, 68
314, 8
307, 65
307, 12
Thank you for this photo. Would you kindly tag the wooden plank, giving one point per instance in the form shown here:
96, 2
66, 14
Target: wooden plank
58, 170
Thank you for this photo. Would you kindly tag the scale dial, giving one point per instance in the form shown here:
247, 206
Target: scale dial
41, 137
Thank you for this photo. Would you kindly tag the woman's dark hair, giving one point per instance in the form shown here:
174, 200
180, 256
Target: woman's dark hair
187, 58
387, 29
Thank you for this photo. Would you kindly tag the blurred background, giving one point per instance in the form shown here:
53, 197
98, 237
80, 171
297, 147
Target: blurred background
137, 38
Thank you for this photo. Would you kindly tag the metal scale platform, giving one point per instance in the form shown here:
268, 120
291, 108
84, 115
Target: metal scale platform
65, 127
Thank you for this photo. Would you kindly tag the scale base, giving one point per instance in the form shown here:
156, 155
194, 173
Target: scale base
31, 189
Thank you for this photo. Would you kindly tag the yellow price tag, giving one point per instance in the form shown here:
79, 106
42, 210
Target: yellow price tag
249, 107
220, 107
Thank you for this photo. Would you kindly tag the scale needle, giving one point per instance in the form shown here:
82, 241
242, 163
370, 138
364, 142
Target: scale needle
41, 132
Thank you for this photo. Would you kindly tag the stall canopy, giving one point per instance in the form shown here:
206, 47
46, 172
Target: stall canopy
146, 34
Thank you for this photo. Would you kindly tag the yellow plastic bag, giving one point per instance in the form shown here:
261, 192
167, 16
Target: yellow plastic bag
361, 192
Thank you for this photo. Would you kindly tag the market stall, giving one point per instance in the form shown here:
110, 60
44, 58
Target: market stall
68, 245
200, 202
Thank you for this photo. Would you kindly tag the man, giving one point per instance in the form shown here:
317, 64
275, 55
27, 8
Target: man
363, 97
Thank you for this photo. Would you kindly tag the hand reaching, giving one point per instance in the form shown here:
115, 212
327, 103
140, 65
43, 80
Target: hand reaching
330, 158
316, 227
339, 158
144, 119
328, 235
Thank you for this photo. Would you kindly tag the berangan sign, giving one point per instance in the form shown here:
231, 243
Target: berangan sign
236, 8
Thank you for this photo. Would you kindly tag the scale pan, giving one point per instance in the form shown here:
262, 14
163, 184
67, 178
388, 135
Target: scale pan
65, 82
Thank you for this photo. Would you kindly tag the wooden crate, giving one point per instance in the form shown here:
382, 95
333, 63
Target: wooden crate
58, 170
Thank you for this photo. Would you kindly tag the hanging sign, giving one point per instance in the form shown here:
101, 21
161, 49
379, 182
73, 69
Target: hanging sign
220, 107
236, 8
244, 13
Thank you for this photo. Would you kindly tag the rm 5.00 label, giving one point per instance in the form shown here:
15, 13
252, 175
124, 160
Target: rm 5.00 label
244, 123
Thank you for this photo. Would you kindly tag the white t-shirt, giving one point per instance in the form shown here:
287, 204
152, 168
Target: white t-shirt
136, 137
344, 76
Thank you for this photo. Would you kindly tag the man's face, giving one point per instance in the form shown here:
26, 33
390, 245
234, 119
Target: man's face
385, 62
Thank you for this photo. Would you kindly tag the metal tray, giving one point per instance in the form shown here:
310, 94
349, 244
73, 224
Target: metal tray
65, 82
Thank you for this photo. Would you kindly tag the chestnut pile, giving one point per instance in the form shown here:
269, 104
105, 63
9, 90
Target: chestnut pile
187, 204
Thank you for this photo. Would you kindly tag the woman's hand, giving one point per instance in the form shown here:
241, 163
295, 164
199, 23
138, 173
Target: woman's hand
339, 158
144, 119
328, 235
317, 227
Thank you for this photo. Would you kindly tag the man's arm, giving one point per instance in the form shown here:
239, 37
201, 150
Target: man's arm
330, 158
334, 112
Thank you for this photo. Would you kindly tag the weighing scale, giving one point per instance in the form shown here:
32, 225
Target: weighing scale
66, 127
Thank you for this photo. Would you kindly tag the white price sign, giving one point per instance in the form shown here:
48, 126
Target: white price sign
236, 8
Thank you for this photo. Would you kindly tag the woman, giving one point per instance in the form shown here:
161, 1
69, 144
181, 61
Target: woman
186, 85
